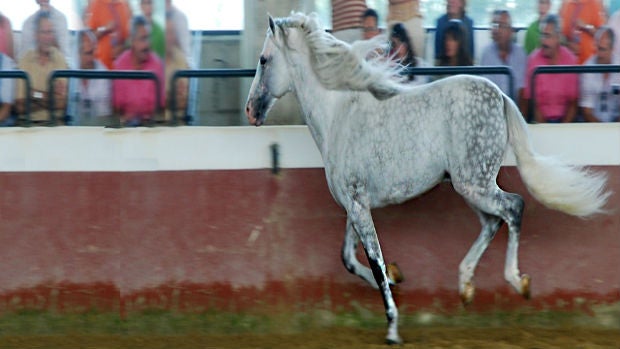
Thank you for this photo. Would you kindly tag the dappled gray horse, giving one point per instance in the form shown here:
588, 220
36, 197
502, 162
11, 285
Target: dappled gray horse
383, 143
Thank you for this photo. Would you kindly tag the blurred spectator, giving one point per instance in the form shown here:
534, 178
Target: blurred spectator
182, 28
600, 93
7, 92
532, 35
455, 52
504, 51
614, 24
92, 98
158, 41
175, 60
580, 19
404, 53
612, 7
39, 64
346, 15
135, 100
59, 25
6, 36
455, 10
408, 13
556, 94
370, 24
109, 20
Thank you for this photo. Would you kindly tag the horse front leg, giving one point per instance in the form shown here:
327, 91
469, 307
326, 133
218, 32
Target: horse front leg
350, 261
349, 258
361, 220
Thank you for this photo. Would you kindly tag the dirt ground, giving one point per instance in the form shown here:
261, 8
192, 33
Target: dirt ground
341, 338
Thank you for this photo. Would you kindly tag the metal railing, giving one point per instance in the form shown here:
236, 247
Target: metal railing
20, 74
471, 70
103, 74
202, 73
231, 73
565, 69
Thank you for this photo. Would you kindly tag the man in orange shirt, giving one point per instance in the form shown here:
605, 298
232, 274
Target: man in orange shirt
109, 20
580, 20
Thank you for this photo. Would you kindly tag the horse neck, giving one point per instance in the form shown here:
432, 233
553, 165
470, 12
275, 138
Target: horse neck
315, 101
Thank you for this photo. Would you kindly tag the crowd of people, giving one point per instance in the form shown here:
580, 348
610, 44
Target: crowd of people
115, 38
112, 38
579, 34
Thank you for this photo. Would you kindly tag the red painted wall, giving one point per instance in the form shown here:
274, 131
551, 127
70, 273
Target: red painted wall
243, 240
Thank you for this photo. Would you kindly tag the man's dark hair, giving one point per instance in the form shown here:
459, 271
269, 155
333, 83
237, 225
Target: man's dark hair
371, 13
139, 21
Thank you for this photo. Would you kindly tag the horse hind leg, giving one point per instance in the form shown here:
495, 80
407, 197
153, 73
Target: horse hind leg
490, 226
513, 211
351, 263
509, 207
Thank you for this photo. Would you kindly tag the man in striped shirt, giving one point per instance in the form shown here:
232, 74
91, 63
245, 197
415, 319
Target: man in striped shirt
346, 19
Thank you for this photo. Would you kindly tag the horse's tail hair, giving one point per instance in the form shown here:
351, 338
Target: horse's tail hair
571, 189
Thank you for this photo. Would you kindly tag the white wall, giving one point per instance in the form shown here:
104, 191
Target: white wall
210, 148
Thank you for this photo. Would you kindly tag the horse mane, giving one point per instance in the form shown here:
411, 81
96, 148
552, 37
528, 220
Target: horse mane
340, 66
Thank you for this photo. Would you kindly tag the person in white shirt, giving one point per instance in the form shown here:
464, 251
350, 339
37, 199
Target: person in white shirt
600, 93
91, 99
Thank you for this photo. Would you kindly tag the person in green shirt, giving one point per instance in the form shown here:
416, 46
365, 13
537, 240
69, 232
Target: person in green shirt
532, 40
158, 37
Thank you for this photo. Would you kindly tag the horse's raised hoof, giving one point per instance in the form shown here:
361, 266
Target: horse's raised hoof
467, 296
526, 281
394, 273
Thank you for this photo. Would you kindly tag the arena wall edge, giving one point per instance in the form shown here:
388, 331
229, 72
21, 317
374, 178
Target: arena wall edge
193, 219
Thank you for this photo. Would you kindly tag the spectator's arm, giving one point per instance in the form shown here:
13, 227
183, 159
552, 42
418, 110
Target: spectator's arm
587, 98
571, 111
5, 111
588, 115
538, 116
182, 89
20, 106
60, 94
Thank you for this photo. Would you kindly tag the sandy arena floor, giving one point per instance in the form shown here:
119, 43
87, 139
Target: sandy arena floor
340, 338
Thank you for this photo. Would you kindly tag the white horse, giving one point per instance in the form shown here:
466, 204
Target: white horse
383, 143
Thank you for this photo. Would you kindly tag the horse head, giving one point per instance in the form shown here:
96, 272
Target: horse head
272, 79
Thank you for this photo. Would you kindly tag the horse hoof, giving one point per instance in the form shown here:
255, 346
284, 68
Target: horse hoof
394, 273
393, 341
526, 280
467, 296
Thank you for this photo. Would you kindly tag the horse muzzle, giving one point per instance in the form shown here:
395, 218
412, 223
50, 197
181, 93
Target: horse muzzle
254, 118
256, 109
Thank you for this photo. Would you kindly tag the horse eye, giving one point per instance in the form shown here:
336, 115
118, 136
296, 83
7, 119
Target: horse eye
263, 60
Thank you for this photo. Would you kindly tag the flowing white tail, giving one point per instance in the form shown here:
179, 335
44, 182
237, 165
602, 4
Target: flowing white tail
571, 189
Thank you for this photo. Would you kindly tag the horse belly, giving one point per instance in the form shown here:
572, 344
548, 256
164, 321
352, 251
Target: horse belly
403, 181
384, 183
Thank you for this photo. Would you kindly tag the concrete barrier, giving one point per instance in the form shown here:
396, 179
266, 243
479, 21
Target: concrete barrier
191, 219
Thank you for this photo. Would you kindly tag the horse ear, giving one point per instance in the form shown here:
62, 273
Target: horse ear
272, 25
